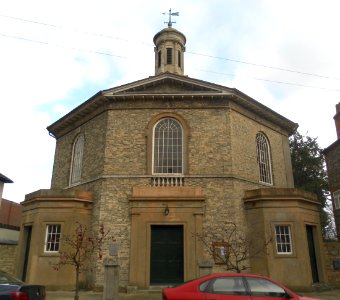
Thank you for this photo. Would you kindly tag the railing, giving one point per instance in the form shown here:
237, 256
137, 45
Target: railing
167, 181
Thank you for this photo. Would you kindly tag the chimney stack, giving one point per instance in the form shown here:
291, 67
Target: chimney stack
337, 119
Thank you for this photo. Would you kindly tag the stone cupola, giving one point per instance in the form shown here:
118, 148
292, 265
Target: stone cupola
169, 51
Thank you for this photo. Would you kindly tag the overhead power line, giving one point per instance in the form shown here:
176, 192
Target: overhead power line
119, 56
276, 81
265, 66
189, 52
148, 44
60, 46
72, 29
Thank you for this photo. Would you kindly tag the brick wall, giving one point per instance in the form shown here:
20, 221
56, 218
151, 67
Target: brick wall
333, 165
332, 253
7, 258
221, 157
10, 213
221, 141
94, 133
332, 155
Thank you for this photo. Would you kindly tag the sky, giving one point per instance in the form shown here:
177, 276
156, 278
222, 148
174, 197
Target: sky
54, 55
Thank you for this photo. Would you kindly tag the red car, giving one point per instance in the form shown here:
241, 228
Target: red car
231, 286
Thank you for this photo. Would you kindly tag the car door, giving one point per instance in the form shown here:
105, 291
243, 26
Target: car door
227, 288
264, 289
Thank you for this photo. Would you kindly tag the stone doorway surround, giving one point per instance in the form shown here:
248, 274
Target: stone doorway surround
164, 206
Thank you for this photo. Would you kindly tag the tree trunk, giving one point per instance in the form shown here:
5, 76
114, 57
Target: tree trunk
76, 294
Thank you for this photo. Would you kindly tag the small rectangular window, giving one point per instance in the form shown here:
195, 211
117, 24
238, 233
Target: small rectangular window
52, 241
336, 197
283, 239
169, 56
336, 264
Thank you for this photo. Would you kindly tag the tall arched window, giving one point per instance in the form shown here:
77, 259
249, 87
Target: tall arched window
263, 158
167, 147
77, 159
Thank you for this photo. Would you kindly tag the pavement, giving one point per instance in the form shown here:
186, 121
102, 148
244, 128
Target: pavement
62, 295
332, 294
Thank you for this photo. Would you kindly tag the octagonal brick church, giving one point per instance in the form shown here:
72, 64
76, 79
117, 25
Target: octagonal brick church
163, 162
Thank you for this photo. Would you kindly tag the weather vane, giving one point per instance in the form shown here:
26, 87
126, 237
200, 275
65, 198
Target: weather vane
171, 14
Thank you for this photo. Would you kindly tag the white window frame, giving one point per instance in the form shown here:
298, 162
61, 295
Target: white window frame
52, 238
336, 199
175, 155
283, 239
77, 159
264, 161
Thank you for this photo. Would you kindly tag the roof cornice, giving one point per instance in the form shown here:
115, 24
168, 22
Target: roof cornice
137, 90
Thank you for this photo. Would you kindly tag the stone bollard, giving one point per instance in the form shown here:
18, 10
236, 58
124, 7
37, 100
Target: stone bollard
111, 278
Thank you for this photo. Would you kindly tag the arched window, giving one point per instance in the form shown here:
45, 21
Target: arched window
167, 147
263, 158
77, 159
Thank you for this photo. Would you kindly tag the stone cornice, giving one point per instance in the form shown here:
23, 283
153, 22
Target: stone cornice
280, 194
58, 195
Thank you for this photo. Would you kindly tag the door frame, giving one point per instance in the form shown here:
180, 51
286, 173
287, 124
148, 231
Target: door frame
313, 252
164, 206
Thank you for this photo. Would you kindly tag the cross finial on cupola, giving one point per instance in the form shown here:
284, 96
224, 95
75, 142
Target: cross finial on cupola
171, 14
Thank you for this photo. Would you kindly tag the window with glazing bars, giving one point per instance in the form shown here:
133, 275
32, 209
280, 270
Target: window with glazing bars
263, 158
283, 239
52, 241
77, 159
168, 147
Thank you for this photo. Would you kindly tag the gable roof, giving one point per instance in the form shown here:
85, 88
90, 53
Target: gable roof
168, 86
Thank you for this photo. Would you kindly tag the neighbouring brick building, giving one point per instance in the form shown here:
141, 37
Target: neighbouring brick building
332, 155
165, 160
10, 220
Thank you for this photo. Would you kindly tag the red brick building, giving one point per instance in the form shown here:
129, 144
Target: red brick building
10, 219
10, 213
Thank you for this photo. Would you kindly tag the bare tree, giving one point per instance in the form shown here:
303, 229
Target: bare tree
79, 248
232, 247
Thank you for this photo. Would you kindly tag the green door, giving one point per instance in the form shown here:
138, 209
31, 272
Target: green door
166, 254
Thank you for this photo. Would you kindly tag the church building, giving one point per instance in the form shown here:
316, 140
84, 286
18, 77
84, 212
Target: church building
164, 163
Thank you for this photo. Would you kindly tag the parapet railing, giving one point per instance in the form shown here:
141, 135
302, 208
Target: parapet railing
167, 181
